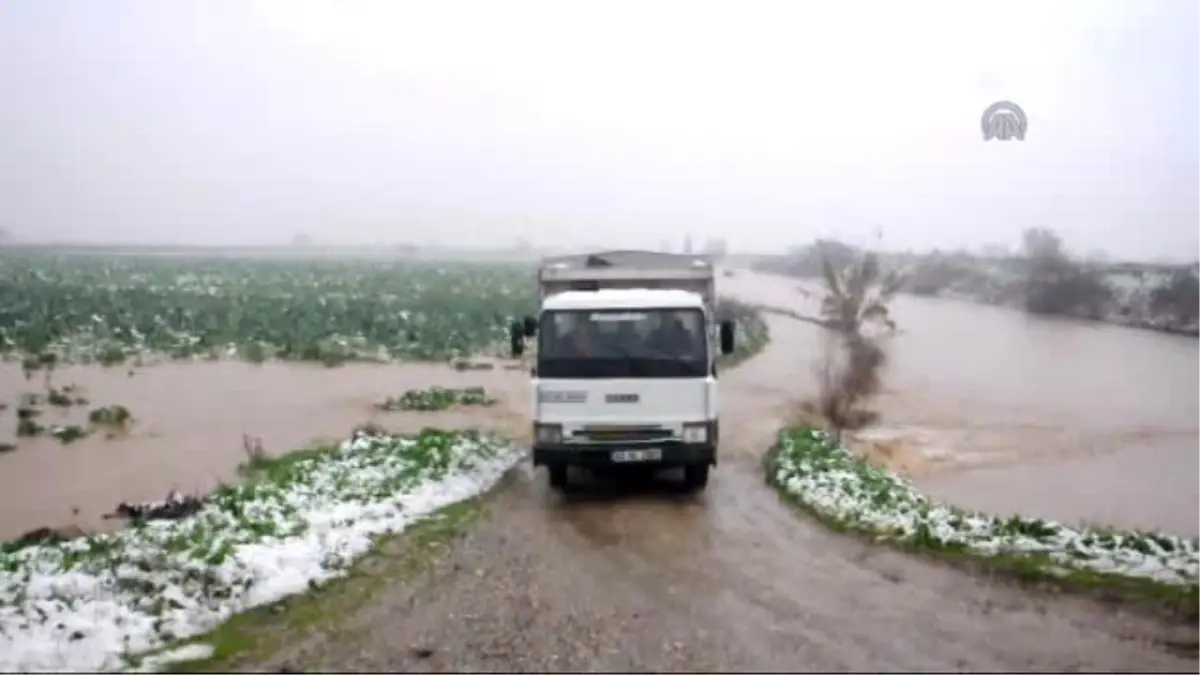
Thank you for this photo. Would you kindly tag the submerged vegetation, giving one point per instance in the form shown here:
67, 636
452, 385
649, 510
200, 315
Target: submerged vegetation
437, 398
112, 418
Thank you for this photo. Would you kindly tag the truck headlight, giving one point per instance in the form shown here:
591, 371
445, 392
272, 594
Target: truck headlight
548, 434
695, 433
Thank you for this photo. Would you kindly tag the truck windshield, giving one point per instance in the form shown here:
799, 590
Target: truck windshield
623, 343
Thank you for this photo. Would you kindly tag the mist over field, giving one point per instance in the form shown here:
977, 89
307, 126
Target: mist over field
461, 124
302, 369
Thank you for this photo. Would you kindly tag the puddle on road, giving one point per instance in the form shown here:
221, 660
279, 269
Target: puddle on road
190, 421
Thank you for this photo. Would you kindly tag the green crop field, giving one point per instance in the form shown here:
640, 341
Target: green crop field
109, 307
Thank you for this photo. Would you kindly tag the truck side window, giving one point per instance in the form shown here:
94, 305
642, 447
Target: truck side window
560, 337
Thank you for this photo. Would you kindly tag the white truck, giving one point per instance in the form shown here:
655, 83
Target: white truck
626, 364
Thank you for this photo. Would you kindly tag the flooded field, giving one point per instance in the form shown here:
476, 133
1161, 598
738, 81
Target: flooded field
190, 421
1081, 421
730, 579
984, 406
641, 580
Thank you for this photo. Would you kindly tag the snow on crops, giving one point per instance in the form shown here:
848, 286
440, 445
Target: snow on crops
87, 604
107, 307
437, 398
823, 476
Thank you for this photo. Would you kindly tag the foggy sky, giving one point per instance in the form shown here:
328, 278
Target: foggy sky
605, 123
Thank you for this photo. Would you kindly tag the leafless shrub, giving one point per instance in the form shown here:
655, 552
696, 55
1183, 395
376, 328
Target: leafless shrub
253, 447
1055, 284
850, 369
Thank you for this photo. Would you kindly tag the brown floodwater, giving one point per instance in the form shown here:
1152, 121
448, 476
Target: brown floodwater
190, 422
641, 579
636, 578
985, 406
997, 410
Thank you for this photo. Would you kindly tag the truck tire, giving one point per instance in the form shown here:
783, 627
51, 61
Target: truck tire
695, 477
558, 476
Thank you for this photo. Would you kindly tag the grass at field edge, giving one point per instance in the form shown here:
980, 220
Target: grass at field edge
259, 634
1175, 601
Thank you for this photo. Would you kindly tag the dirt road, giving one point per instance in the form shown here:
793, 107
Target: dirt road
731, 580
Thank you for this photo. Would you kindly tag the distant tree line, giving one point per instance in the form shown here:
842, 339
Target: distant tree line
1042, 278
1179, 299
809, 261
1055, 284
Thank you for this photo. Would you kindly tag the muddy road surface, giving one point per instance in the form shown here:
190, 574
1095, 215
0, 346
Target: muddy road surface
729, 580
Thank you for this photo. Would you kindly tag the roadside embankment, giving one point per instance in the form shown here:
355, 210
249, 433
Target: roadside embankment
811, 469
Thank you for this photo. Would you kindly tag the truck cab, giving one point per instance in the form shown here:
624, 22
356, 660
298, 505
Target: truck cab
625, 370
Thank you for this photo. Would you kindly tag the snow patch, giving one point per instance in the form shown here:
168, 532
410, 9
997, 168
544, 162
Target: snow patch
814, 468
87, 604
157, 662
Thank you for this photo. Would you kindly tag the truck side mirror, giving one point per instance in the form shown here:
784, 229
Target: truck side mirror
726, 337
516, 338
530, 326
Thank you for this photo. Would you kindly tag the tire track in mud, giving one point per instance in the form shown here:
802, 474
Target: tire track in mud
730, 579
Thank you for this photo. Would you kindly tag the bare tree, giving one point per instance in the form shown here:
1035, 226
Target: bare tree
1054, 283
856, 296
1042, 245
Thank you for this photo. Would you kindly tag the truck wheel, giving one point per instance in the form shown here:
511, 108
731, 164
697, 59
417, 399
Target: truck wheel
695, 477
558, 476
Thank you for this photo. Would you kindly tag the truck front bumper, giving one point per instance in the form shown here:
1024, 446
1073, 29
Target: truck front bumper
674, 453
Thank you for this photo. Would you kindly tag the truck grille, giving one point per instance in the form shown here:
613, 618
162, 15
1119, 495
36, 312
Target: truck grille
621, 434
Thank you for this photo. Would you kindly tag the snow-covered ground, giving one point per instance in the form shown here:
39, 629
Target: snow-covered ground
814, 468
86, 605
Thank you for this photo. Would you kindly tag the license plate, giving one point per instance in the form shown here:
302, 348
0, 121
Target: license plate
643, 455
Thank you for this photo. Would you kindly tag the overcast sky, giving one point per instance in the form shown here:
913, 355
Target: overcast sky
600, 123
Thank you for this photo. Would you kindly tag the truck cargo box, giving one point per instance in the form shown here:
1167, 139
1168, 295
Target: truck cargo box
628, 269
